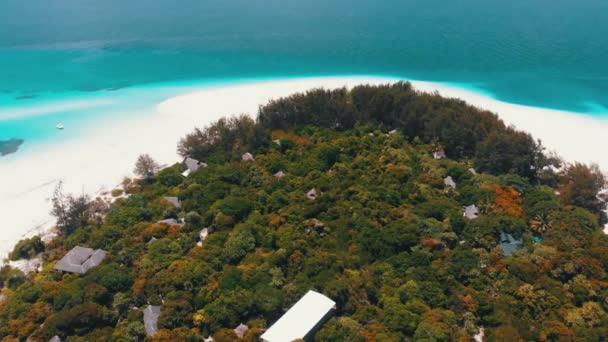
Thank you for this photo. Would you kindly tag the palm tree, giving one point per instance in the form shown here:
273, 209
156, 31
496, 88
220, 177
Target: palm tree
541, 223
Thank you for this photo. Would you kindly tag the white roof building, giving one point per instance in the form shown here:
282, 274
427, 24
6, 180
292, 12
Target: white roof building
192, 165
80, 260
449, 182
471, 212
247, 157
204, 233
151, 314
175, 201
241, 330
203, 236
172, 222
439, 154
312, 194
302, 319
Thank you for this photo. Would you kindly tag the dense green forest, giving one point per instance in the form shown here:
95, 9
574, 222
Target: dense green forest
385, 237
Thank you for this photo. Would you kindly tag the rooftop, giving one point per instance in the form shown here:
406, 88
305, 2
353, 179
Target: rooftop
439, 154
171, 222
299, 321
175, 201
203, 236
449, 181
151, 314
508, 243
204, 233
192, 165
312, 194
241, 330
248, 157
80, 260
471, 212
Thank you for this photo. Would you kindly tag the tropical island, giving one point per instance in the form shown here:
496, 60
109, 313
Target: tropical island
422, 218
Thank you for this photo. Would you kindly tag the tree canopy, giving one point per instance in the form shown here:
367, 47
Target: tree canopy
385, 237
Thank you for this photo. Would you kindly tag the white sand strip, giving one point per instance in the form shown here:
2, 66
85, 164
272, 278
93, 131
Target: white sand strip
109, 151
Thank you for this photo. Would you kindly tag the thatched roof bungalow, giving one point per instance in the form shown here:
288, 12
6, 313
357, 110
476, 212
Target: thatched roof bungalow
80, 260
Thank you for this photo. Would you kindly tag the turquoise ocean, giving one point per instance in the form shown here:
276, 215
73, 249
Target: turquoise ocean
80, 61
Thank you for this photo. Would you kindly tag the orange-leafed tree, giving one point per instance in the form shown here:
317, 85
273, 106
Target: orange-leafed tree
508, 201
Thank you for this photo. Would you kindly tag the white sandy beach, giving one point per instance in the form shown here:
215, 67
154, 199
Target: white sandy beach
108, 152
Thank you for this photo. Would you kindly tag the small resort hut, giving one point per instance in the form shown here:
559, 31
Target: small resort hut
248, 157
449, 182
480, 335
439, 154
471, 212
192, 165
509, 244
208, 339
175, 201
277, 141
472, 171
80, 260
55, 339
312, 194
392, 132
203, 236
280, 174
241, 330
151, 314
302, 320
172, 222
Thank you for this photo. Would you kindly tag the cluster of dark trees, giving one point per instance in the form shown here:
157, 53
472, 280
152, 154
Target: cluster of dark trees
27, 248
463, 131
385, 238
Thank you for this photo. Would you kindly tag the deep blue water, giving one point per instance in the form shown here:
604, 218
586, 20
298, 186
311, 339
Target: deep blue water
120, 55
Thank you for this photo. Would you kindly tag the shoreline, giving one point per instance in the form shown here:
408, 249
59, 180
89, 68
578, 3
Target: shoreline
101, 158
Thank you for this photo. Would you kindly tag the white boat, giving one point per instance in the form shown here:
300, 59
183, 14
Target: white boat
59, 126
